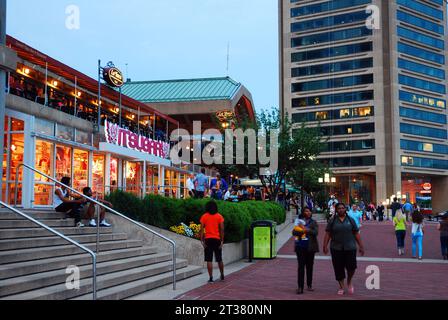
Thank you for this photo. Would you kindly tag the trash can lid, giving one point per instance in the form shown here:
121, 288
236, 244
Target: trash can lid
263, 223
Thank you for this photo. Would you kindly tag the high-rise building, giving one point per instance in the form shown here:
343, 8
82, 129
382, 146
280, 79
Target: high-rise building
373, 74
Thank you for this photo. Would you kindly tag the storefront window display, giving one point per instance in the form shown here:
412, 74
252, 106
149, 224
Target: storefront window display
63, 162
80, 169
152, 179
113, 174
43, 190
98, 174
133, 176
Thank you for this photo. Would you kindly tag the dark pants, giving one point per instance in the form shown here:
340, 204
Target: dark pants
72, 209
200, 194
444, 244
381, 217
401, 235
305, 259
343, 260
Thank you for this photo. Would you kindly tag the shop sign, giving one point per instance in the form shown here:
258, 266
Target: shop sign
225, 115
113, 77
426, 187
127, 139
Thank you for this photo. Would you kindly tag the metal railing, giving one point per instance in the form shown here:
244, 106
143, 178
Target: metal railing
60, 235
110, 210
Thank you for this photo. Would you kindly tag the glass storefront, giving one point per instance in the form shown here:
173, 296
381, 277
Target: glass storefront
354, 188
98, 173
113, 174
43, 189
80, 169
152, 179
133, 174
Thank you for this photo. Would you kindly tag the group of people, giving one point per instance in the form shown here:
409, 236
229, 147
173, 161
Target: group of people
342, 233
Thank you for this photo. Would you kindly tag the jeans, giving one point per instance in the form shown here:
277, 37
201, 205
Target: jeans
401, 235
444, 244
417, 240
306, 260
72, 209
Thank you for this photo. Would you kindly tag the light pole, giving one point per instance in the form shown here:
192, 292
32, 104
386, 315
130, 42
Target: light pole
2, 91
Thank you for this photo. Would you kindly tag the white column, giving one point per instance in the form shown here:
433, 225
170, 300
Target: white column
107, 174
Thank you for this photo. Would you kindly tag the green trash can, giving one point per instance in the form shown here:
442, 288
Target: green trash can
263, 240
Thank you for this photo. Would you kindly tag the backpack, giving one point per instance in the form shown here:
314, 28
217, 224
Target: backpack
333, 220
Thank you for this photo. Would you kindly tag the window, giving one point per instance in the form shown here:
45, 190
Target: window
428, 147
333, 114
332, 67
44, 127
322, 115
423, 147
421, 68
331, 52
423, 131
348, 129
333, 99
83, 137
329, 21
422, 100
424, 163
331, 36
420, 37
326, 6
422, 84
421, 53
63, 132
348, 145
407, 161
423, 115
344, 113
419, 22
422, 8
350, 162
333, 83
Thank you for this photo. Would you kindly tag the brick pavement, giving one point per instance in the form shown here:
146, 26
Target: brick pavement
276, 279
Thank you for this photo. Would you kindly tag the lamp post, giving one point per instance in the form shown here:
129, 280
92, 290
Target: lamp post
2, 86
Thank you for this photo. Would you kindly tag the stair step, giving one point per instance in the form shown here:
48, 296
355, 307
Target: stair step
40, 232
60, 292
137, 287
11, 256
45, 265
45, 279
39, 215
21, 223
15, 244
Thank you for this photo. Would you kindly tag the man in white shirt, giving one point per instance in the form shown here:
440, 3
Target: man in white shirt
191, 187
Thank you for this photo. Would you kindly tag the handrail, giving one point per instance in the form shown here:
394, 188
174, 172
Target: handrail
60, 235
173, 243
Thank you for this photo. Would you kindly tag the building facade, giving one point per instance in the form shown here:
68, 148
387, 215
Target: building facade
372, 73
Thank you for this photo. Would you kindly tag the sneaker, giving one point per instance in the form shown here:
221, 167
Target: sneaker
299, 291
92, 223
210, 280
105, 224
80, 225
222, 277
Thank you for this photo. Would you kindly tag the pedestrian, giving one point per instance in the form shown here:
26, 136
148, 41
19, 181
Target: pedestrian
395, 206
190, 186
443, 228
356, 215
89, 208
400, 230
408, 209
417, 235
63, 203
201, 183
212, 237
218, 187
344, 235
380, 211
306, 247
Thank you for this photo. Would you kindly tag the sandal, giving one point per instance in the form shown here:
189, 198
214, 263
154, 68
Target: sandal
351, 290
341, 292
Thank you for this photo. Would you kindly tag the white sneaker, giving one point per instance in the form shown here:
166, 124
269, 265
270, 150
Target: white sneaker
105, 224
80, 225
92, 223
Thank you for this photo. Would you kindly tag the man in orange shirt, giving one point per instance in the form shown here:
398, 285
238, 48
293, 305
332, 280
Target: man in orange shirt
212, 237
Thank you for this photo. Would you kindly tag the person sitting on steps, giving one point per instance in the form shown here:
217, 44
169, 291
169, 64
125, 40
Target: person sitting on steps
63, 203
89, 209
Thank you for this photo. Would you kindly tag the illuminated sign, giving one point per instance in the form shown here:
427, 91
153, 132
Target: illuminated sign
113, 77
127, 139
427, 186
225, 115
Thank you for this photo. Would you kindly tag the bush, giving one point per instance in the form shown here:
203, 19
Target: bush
165, 212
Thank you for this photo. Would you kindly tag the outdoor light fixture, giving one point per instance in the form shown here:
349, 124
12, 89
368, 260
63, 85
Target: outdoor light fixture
321, 180
333, 180
55, 83
79, 93
27, 71
327, 178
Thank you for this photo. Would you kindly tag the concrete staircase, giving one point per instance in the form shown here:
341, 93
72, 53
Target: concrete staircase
33, 262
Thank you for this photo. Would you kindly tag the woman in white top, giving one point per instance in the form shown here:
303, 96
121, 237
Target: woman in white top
417, 235
62, 202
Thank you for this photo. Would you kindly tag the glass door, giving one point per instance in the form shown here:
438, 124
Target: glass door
43, 187
133, 176
15, 149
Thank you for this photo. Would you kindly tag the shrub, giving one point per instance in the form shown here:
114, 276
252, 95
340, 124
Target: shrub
165, 212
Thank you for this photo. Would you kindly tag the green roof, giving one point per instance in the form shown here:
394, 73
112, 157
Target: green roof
182, 90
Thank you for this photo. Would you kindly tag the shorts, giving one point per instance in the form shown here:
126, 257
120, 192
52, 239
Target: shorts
343, 260
212, 247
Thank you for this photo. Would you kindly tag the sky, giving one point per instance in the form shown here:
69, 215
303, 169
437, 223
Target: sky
159, 39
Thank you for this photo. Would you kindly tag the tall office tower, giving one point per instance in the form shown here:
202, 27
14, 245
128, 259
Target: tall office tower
373, 74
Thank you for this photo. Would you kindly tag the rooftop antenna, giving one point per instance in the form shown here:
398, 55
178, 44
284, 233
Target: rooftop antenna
228, 57
127, 72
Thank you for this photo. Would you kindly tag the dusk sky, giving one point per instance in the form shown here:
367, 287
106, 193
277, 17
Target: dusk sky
160, 39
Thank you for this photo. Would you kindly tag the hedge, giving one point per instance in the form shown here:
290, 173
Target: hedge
165, 212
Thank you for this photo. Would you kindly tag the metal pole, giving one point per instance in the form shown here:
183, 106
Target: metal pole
76, 95
46, 84
2, 91
119, 115
154, 128
99, 94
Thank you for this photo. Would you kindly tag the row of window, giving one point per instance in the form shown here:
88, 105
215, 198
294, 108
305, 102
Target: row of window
422, 8
345, 113
332, 52
423, 147
422, 115
348, 129
421, 84
420, 37
421, 53
350, 162
423, 131
348, 145
424, 163
333, 83
329, 21
421, 68
331, 36
326, 6
346, 97
422, 100
332, 67
419, 22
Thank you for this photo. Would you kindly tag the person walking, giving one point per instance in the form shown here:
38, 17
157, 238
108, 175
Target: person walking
443, 228
201, 183
400, 230
408, 209
306, 247
344, 235
417, 235
395, 206
212, 237
380, 211
356, 215
190, 186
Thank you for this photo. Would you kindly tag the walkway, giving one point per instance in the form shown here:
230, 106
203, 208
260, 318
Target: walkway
400, 278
